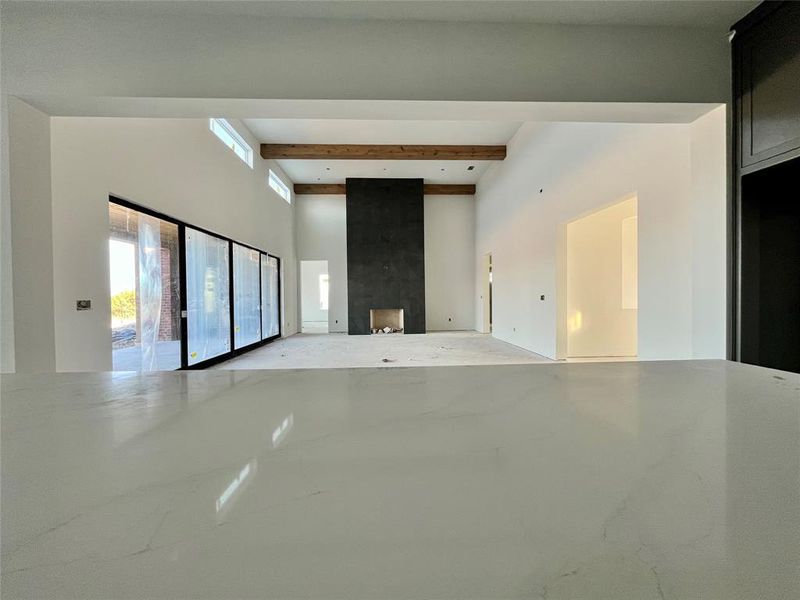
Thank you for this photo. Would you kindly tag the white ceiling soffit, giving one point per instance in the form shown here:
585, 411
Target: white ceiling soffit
696, 13
363, 131
336, 171
390, 110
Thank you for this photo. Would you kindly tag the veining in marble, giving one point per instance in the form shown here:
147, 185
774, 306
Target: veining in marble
611, 480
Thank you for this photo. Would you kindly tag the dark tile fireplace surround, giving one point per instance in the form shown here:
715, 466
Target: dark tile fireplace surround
385, 251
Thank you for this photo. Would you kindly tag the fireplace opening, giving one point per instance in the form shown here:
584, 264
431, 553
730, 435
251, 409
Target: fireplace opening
386, 320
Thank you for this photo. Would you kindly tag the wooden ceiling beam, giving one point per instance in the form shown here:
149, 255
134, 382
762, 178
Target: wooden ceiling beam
430, 189
449, 189
381, 152
325, 189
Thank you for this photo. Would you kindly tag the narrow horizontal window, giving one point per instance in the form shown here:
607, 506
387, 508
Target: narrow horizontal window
280, 188
231, 138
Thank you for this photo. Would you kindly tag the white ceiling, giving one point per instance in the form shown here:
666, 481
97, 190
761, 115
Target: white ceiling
357, 131
673, 13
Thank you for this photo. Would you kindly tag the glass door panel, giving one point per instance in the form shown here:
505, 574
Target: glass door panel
246, 296
270, 300
208, 296
265, 317
144, 267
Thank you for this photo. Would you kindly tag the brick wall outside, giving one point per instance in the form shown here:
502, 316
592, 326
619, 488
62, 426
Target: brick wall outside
165, 327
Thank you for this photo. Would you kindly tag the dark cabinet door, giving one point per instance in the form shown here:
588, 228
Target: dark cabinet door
769, 56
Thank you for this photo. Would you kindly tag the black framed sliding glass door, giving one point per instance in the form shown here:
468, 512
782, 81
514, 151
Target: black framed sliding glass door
183, 297
208, 305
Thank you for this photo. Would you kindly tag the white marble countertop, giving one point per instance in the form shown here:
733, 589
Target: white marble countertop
610, 480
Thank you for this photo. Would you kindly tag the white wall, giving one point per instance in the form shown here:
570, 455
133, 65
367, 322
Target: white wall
557, 172
709, 234
310, 309
321, 223
175, 166
28, 317
598, 323
449, 259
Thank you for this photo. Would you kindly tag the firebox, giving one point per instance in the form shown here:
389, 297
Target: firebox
386, 320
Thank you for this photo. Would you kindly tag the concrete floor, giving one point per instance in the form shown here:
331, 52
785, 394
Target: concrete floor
339, 350
314, 327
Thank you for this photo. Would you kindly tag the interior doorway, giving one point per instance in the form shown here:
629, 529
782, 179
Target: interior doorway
602, 282
314, 295
486, 294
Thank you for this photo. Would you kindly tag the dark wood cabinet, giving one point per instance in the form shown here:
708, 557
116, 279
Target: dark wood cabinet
765, 259
767, 62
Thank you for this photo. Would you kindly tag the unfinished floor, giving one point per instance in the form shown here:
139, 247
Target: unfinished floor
339, 350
